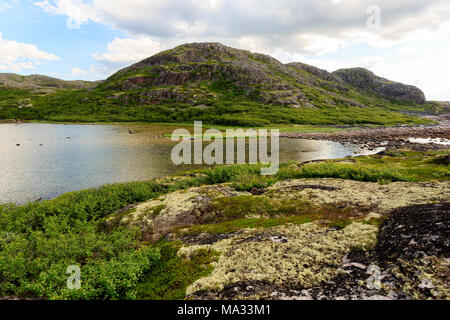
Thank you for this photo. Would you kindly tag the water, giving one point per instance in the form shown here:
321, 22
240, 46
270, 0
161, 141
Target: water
42, 161
441, 141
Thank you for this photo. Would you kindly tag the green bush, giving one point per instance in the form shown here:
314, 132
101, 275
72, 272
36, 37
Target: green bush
40, 240
34, 264
246, 182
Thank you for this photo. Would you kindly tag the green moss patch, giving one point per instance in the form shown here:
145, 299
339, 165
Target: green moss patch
169, 279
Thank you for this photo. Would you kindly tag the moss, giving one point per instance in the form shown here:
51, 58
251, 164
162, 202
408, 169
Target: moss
169, 279
238, 207
155, 211
240, 224
369, 197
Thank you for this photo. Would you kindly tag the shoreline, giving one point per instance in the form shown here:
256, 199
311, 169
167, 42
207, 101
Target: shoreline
390, 138
371, 137
307, 128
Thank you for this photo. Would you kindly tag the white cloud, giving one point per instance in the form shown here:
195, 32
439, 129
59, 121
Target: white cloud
302, 25
76, 72
319, 45
286, 29
6, 4
123, 52
129, 50
16, 56
77, 11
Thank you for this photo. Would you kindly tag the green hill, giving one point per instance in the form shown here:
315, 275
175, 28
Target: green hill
219, 85
41, 83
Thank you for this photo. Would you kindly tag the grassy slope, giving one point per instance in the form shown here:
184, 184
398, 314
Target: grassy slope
95, 106
40, 240
221, 86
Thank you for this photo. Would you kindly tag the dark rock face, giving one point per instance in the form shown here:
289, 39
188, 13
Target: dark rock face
202, 71
367, 81
415, 231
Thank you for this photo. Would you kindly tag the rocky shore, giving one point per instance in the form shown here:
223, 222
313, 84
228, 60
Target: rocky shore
390, 138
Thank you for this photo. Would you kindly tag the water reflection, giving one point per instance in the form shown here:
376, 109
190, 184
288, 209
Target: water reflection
44, 160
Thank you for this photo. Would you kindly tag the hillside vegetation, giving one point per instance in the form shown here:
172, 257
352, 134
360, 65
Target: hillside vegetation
219, 85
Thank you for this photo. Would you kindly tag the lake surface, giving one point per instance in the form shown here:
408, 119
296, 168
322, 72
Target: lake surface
42, 161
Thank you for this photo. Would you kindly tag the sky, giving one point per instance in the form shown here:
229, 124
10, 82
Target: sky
402, 40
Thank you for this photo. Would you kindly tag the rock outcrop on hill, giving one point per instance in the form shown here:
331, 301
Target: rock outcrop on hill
366, 80
199, 72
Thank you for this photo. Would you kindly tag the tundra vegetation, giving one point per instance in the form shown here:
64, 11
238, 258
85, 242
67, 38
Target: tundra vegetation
284, 221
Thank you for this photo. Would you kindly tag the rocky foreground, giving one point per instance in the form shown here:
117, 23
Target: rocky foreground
369, 227
349, 239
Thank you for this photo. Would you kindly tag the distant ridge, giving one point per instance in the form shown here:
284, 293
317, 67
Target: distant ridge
36, 81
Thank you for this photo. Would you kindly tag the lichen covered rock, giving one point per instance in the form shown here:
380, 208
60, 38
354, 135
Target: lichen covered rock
309, 254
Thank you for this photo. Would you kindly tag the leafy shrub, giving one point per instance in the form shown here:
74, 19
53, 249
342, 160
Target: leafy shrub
43, 239
246, 182
35, 264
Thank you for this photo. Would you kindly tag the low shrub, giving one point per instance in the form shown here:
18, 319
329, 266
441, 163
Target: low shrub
353, 171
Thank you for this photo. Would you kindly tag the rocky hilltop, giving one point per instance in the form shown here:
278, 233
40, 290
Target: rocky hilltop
199, 72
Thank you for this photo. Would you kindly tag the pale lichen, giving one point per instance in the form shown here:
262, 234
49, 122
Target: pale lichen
181, 208
311, 254
382, 198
